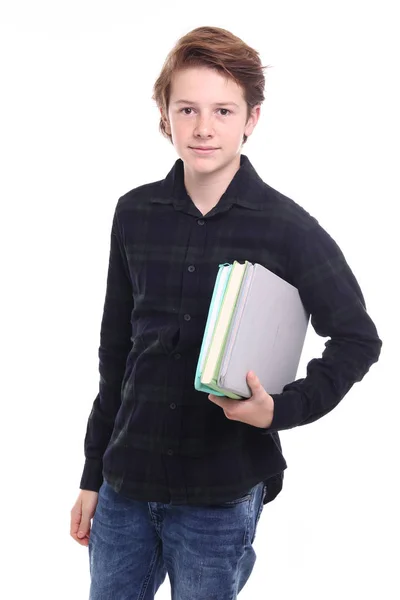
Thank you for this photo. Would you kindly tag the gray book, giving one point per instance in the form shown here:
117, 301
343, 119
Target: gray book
266, 335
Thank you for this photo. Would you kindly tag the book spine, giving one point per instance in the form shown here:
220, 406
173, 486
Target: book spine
231, 342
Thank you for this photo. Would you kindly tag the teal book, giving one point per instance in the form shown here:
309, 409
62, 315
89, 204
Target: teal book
220, 286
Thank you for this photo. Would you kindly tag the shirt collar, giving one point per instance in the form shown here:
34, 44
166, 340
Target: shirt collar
246, 188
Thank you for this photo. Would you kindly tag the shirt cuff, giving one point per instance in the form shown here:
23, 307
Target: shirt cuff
287, 411
92, 476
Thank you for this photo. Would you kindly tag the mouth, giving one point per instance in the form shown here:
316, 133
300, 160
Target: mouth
205, 150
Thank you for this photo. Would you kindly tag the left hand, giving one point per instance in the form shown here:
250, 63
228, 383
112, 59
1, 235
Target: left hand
258, 410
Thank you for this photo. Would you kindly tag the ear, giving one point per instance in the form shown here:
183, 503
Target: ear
165, 119
252, 120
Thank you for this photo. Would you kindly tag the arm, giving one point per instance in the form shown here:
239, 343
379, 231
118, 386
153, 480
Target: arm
331, 294
115, 344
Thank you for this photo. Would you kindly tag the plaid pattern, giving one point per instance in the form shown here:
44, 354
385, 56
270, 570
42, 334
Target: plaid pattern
150, 434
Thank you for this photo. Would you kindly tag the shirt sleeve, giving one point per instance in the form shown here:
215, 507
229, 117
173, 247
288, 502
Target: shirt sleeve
332, 296
115, 344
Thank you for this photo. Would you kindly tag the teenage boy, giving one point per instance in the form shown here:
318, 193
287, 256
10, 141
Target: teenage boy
176, 480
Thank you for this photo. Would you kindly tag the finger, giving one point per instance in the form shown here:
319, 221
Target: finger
84, 527
76, 516
223, 401
77, 529
84, 541
217, 400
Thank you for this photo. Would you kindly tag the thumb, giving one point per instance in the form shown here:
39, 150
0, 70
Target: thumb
84, 526
254, 382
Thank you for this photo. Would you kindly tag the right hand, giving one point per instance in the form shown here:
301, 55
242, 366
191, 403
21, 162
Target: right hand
81, 514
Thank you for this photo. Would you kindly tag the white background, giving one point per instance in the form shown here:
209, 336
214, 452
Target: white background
78, 130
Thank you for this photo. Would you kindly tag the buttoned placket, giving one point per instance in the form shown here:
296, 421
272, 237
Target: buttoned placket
190, 289
191, 283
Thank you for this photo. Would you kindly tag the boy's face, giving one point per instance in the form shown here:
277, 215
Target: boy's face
199, 121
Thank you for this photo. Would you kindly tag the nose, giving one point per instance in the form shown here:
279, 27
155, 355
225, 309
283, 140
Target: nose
204, 126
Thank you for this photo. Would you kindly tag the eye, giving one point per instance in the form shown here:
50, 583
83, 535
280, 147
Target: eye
189, 108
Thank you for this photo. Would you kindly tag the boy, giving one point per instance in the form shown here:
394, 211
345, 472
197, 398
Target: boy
176, 480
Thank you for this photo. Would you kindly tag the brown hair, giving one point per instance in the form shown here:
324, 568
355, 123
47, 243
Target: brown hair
216, 49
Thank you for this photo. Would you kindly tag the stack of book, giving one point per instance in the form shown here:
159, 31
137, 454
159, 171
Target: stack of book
256, 322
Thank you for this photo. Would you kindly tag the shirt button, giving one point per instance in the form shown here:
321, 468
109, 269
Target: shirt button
191, 268
177, 356
187, 317
173, 405
200, 222
170, 452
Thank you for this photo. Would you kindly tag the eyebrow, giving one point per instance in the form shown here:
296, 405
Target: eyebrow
215, 103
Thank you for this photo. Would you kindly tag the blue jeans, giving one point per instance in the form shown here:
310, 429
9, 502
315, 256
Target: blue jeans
206, 550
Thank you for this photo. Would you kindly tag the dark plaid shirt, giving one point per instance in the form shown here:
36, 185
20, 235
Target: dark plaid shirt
150, 434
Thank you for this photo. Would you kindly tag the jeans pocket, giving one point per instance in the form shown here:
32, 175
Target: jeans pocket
258, 510
231, 503
261, 503
240, 500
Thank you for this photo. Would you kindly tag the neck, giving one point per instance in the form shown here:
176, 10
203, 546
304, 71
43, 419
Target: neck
206, 189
